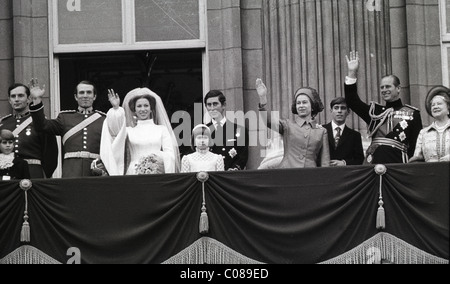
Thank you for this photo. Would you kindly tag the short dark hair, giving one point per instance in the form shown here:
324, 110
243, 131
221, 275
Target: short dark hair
85, 82
395, 78
151, 100
338, 101
17, 85
214, 94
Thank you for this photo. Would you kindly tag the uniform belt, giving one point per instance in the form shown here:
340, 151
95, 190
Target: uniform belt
33, 162
81, 155
390, 142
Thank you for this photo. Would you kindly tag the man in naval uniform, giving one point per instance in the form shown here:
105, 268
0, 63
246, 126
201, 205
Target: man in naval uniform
393, 127
40, 150
80, 130
230, 140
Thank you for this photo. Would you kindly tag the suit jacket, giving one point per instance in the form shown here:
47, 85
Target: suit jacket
349, 149
233, 146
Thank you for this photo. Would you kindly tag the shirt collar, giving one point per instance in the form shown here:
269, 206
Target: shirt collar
334, 125
433, 126
85, 110
222, 122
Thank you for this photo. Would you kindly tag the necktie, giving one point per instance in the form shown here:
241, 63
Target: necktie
219, 135
337, 137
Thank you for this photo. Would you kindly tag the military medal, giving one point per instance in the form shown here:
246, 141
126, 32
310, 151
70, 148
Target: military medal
28, 133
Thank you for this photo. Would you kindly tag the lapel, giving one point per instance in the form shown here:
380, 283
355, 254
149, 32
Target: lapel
330, 131
344, 135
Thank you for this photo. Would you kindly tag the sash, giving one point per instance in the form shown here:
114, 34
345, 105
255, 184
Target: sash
21, 127
80, 126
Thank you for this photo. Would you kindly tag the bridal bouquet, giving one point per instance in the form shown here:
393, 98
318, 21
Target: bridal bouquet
149, 165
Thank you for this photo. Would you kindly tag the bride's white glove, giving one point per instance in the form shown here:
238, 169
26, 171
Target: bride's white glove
261, 89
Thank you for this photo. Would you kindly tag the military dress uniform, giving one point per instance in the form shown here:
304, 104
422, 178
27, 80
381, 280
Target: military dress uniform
393, 127
231, 141
39, 150
81, 133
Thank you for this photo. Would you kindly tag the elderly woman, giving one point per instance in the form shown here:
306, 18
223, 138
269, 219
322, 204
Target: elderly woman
305, 141
433, 143
202, 159
138, 138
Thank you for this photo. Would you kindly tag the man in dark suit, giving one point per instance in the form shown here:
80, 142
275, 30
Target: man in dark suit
345, 143
230, 140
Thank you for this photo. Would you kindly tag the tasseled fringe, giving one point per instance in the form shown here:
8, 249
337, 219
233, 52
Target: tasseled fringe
28, 255
209, 251
385, 248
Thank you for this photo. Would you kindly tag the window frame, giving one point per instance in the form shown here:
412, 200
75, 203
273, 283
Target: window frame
128, 34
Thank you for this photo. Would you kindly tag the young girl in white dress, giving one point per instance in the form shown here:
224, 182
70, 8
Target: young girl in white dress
138, 138
202, 160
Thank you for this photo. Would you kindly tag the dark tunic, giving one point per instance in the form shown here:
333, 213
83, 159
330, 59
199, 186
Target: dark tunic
33, 145
18, 171
395, 123
85, 143
232, 144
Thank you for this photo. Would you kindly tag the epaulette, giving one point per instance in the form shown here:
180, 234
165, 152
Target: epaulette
100, 112
68, 111
5, 117
319, 126
411, 107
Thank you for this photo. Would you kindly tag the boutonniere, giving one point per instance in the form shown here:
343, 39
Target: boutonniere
232, 153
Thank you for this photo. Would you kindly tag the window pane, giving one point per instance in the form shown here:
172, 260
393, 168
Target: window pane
161, 20
93, 21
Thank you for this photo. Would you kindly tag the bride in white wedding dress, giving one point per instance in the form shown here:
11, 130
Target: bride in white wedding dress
139, 130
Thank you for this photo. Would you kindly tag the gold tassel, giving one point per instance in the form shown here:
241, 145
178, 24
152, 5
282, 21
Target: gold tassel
25, 233
381, 218
204, 222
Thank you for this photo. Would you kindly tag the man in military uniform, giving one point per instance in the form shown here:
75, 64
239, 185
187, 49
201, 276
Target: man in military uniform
230, 140
80, 130
40, 150
393, 127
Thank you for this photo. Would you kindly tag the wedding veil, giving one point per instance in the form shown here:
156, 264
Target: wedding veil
159, 117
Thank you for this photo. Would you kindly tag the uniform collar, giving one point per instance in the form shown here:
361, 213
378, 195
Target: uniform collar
395, 104
85, 110
21, 115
